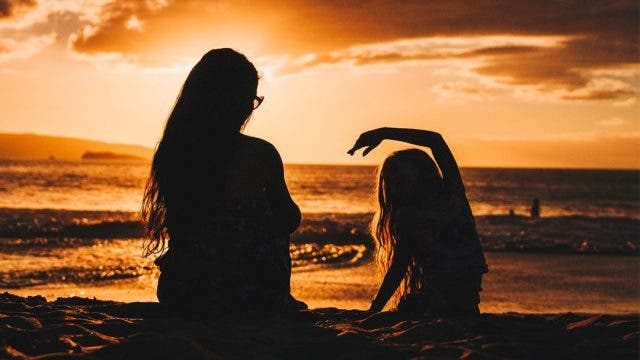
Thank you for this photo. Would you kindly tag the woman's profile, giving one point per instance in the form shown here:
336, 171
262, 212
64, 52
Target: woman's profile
425, 232
216, 205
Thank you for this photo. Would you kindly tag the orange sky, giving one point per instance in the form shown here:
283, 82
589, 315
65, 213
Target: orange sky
520, 83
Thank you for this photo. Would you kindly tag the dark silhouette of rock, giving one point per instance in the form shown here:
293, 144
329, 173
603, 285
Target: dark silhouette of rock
107, 155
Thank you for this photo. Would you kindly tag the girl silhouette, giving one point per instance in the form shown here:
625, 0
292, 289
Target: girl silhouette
216, 205
425, 232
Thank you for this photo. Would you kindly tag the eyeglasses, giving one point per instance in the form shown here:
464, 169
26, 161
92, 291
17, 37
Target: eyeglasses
257, 101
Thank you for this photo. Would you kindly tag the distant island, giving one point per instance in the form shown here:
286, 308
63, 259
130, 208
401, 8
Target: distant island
108, 155
46, 147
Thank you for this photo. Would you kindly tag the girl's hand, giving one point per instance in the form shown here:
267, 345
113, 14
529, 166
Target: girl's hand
374, 307
369, 140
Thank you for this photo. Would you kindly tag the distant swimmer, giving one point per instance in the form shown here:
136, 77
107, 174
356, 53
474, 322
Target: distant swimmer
535, 208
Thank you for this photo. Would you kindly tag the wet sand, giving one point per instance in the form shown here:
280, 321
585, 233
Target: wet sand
83, 328
524, 283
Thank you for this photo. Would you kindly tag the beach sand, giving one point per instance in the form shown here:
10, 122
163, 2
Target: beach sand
93, 329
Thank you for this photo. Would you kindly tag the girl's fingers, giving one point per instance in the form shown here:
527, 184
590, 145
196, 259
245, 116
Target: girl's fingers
358, 145
364, 142
353, 149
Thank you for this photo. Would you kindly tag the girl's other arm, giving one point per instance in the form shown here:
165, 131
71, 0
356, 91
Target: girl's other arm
392, 279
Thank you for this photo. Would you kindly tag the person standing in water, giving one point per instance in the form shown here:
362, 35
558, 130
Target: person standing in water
216, 204
427, 243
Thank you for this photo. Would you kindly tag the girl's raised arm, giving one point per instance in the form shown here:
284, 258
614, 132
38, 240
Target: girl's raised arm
441, 152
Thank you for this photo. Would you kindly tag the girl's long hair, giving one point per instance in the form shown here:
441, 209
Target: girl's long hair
395, 189
189, 166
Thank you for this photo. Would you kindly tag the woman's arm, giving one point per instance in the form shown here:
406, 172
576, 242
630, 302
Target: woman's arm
286, 212
441, 152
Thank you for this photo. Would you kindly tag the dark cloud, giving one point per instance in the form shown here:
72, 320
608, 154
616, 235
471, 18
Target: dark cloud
112, 34
598, 34
9, 7
500, 50
602, 95
390, 54
309, 25
463, 88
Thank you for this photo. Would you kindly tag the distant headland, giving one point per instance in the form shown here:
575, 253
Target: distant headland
108, 155
45, 147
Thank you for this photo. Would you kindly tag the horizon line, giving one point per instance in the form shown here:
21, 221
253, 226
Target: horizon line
316, 163
485, 167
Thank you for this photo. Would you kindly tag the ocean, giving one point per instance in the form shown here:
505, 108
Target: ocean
71, 228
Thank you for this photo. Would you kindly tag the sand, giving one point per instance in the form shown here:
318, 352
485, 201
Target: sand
84, 328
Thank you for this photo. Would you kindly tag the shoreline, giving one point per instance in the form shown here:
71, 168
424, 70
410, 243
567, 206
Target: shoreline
525, 283
80, 327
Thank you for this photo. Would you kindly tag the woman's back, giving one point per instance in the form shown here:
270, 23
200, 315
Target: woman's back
243, 192
235, 254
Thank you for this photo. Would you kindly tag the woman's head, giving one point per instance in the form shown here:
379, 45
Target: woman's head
218, 94
189, 166
407, 178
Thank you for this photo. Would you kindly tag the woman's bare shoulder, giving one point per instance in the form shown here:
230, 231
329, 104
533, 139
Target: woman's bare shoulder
256, 142
259, 146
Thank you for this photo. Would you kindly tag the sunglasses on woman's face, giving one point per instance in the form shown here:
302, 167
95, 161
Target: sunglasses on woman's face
257, 101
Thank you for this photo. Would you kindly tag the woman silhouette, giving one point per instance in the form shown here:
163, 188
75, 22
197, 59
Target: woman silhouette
216, 205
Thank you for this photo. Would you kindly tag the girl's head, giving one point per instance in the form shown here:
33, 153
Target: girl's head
406, 179
188, 169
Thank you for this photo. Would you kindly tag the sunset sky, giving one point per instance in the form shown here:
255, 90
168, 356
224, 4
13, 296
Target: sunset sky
510, 83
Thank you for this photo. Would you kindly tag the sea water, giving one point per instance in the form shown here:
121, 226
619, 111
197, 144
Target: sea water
71, 228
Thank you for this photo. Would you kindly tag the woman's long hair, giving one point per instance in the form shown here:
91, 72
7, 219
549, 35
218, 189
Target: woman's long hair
407, 178
189, 166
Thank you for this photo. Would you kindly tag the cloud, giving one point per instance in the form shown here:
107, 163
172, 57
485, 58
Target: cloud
626, 102
10, 8
464, 91
308, 25
422, 50
558, 49
24, 48
120, 18
604, 94
537, 63
39, 17
612, 122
